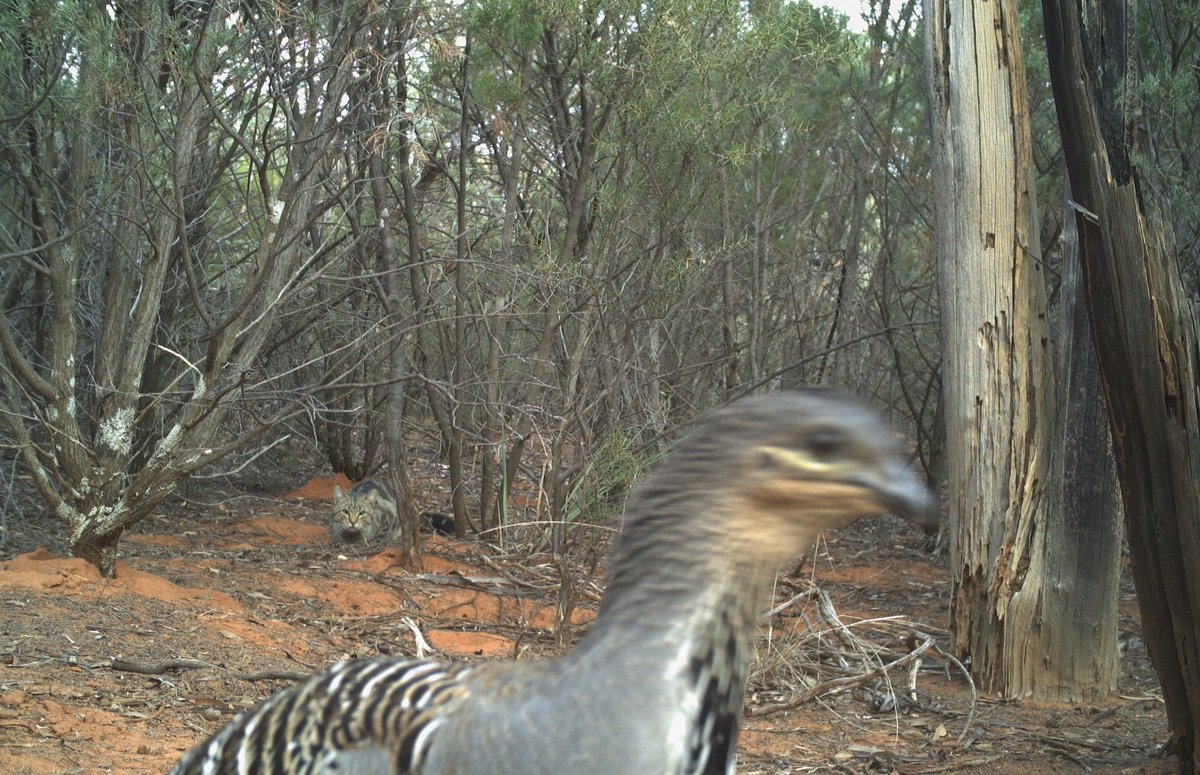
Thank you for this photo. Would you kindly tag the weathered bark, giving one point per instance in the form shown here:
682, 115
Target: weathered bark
1146, 344
1074, 634
998, 386
98, 548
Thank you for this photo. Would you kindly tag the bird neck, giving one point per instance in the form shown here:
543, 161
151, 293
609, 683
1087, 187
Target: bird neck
679, 622
680, 611
675, 570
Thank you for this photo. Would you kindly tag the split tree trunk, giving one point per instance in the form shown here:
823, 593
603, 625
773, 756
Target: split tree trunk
1146, 343
1017, 570
1083, 528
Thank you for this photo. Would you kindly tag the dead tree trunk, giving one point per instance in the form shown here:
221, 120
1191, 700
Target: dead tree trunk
1076, 636
1146, 343
998, 385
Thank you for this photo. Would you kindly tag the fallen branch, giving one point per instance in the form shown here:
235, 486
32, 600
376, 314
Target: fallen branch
159, 668
423, 646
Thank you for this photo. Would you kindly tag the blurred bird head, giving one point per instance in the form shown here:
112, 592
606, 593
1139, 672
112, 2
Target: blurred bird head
779, 468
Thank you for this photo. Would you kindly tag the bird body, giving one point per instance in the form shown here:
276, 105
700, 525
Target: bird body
656, 713
657, 685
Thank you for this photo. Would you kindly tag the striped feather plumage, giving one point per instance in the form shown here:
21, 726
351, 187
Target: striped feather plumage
340, 708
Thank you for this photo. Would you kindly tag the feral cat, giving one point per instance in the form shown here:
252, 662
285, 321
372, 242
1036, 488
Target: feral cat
366, 514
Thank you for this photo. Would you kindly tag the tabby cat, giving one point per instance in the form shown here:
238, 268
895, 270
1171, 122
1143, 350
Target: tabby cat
364, 515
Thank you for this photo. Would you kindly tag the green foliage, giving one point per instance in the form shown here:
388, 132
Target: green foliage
599, 497
508, 24
1168, 106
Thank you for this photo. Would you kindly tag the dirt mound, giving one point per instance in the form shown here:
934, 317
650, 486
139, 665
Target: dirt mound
320, 488
40, 570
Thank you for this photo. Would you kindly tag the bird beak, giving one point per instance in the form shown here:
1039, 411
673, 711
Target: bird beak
899, 491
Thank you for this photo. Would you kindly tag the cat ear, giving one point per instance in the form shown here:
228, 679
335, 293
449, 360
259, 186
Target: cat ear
338, 493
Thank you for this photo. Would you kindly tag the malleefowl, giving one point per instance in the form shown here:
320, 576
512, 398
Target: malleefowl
656, 686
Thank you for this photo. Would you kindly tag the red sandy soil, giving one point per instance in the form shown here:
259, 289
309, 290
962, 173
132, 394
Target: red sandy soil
256, 595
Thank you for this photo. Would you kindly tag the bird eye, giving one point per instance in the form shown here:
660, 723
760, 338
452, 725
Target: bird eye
826, 444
